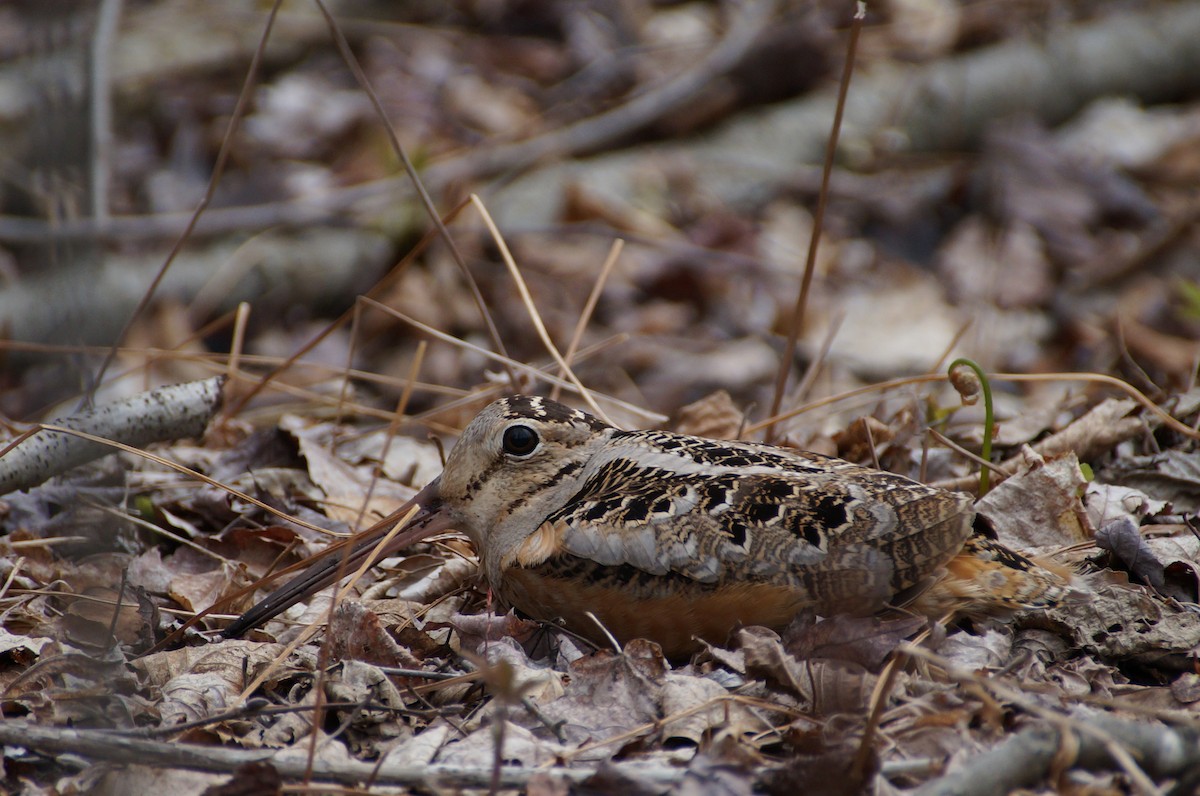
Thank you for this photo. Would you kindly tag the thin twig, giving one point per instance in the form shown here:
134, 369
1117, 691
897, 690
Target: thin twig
961, 451
539, 373
110, 639
104, 746
616, 645
235, 118
589, 307
810, 263
237, 343
12, 575
814, 368
352, 62
531, 308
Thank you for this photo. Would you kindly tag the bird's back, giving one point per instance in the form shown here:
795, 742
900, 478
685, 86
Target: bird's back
671, 536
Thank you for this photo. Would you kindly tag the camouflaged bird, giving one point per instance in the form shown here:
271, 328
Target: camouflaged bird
676, 538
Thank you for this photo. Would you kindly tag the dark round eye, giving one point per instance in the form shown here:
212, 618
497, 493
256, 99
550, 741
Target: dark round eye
520, 440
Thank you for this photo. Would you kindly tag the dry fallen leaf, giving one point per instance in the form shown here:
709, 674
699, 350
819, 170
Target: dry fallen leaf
1122, 538
476, 631
376, 702
1171, 475
1108, 502
684, 695
1039, 507
520, 746
866, 641
823, 687
861, 440
610, 694
355, 633
421, 748
989, 649
1122, 622
714, 416
195, 681
344, 485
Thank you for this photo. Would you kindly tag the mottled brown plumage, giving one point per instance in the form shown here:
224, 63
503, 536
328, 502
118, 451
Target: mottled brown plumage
673, 538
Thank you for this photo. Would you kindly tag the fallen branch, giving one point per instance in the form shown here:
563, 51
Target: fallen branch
944, 105
747, 23
175, 412
1026, 758
111, 747
1149, 55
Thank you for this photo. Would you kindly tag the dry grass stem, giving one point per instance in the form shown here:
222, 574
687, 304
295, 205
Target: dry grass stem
589, 307
531, 308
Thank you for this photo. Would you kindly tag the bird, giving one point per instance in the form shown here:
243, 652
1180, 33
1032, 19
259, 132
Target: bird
681, 539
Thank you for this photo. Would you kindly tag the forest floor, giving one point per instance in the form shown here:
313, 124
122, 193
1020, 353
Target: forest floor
1013, 182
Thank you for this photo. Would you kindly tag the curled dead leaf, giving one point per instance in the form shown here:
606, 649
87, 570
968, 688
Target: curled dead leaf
1122, 538
822, 686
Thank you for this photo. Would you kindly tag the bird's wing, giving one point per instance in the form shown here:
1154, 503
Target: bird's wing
830, 530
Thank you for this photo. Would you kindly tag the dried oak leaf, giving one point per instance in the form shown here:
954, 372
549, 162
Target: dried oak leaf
989, 649
477, 631
1107, 502
421, 748
611, 694
1186, 688
859, 441
366, 687
519, 746
88, 620
610, 778
695, 707
1097, 431
195, 590
198, 681
727, 768
543, 784
832, 772
344, 485
510, 674
1172, 475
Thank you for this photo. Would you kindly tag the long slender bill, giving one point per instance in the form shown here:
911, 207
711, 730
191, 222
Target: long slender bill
328, 568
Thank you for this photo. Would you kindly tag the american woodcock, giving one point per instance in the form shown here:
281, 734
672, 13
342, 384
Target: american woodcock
676, 538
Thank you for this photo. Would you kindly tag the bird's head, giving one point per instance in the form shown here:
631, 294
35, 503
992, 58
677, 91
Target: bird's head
518, 460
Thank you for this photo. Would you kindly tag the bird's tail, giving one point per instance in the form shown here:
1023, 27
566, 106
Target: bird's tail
988, 579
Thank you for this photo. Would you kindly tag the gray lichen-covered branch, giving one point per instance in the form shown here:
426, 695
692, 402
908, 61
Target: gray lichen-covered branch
175, 412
